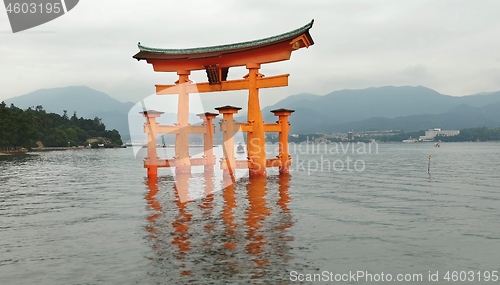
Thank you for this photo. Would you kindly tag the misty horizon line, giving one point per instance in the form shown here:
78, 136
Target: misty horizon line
294, 94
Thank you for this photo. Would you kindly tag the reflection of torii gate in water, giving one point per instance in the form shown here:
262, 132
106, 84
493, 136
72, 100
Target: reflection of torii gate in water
216, 61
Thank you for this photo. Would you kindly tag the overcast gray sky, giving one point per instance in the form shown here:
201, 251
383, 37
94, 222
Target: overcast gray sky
450, 46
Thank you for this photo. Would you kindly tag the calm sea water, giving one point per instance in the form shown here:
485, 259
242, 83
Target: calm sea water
91, 217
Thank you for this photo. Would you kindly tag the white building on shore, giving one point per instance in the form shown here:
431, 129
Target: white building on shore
431, 134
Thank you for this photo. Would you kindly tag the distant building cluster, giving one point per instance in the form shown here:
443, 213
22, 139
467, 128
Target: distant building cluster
372, 136
431, 134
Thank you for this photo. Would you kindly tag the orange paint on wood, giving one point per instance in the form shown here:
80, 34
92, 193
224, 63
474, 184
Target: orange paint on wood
284, 155
264, 55
208, 140
228, 128
183, 163
151, 126
256, 144
230, 85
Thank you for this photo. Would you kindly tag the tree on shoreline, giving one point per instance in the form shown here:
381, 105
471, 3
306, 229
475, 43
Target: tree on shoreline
24, 128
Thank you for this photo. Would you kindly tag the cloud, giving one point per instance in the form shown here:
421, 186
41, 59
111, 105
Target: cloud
358, 44
415, 71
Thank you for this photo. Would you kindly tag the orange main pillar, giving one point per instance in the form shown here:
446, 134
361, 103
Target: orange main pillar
183, 162
150, 127
208, 140
284, 156
228, 128
256, 143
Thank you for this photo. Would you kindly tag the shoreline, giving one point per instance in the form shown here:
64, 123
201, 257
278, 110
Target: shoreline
56, 148
42, 149
60, 148
13, 152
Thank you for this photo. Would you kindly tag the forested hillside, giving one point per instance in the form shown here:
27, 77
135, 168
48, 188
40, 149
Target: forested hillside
87, 102
24, 128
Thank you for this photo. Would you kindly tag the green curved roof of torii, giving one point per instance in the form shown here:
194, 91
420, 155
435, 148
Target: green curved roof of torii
228, 47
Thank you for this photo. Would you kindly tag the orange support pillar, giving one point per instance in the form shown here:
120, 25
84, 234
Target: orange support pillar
183, 162
151, 127
228, 128
256, 143
208, 140
284, 155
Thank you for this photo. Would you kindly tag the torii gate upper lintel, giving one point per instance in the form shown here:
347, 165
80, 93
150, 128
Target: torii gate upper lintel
216, 61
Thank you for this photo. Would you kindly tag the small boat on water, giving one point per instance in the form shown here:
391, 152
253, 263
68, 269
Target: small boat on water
240, 148
410, 140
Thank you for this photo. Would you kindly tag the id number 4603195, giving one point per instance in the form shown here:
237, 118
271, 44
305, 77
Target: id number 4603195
471, 276
34, 8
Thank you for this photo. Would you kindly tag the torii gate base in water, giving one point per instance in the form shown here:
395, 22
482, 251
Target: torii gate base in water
216, 61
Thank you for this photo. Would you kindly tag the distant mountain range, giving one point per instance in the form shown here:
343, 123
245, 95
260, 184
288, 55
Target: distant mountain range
398, 108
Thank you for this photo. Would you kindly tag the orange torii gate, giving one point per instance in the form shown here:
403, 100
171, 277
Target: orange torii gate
216, 61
